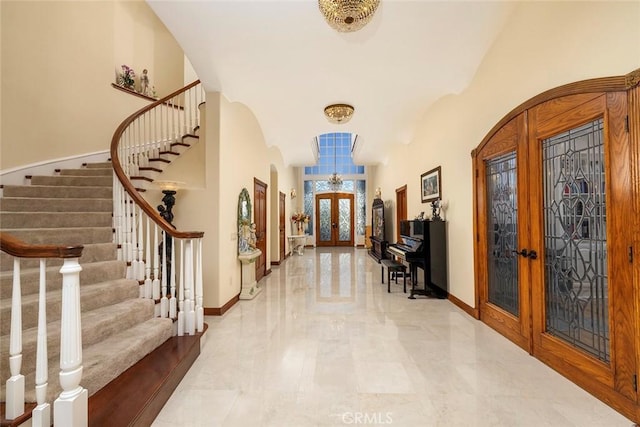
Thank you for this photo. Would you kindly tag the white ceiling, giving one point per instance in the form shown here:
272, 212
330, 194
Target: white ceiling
283, 61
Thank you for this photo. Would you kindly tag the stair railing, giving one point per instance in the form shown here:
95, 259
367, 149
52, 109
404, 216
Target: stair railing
73, 398
140, 231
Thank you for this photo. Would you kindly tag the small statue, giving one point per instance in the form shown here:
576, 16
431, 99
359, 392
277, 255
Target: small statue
378, 193
435, 210
144, 83
420, 216
252, 236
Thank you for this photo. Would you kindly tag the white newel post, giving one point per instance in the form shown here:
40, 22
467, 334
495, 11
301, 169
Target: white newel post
70, 408
15, 384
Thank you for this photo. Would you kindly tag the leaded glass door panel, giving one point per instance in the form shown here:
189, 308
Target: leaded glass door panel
581, 193
335, 219
501, 194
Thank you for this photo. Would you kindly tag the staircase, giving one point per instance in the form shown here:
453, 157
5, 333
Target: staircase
118, 327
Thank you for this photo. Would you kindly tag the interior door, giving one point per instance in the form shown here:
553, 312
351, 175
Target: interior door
335, 219
282, 224
401, 209
260, 218
502, 205
583, 320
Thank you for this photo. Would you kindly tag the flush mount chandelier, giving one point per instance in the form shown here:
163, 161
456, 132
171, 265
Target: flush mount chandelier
348, 15
338, 113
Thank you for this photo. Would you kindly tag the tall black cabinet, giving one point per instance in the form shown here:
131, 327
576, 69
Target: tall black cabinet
378, 234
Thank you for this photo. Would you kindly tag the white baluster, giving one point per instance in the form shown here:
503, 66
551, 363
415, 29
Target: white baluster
71, 407
127, 249
134, 242
15, 384
41, 415
164, 302
141, 262
173, 301
199, 300
148, 283
155, 289
181, 317
190, 326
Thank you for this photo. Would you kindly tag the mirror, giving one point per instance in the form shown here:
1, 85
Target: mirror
244, 222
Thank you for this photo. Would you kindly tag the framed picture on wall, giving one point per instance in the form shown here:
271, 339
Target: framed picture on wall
431, 185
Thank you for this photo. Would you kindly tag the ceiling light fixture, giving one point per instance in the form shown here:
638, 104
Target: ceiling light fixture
348, 15
338, 113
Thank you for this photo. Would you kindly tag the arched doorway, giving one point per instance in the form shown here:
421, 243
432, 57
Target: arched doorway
554, 191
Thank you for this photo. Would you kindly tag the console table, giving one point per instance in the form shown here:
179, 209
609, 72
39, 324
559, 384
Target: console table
296, 243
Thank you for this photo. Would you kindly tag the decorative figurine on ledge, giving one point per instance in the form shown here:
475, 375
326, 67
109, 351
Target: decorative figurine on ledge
252, 237
435, 210
144, 83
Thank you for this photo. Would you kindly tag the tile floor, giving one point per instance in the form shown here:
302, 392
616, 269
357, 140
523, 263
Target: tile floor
324, 344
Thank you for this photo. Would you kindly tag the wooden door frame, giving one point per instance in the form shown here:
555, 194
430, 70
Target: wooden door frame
401, 208
513, 137
334, 197
262, 215
282, 225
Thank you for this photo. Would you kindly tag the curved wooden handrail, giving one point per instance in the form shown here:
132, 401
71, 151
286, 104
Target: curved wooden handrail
20, 249
128, 186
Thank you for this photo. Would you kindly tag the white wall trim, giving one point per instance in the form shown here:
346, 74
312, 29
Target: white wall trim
16, 176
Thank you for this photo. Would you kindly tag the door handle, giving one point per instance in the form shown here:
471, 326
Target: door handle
523, 253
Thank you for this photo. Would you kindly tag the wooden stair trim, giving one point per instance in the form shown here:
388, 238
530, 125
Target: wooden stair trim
28, 408
158, 159
150, 169
142, 178
137, 396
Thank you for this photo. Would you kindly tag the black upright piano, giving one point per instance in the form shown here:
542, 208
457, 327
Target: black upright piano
424, 245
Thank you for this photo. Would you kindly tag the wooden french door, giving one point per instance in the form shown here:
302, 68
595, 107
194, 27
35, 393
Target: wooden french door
401, 208
260, 218
502, 197
555, 231
580, 189
335, 219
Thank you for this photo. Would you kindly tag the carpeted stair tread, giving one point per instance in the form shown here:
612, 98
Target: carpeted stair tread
99, 165
56, 191
87, 172
31, 204
121, 292
91, 297
94, 272
62, 236
55, 219
79, 181
92, 252
108, 358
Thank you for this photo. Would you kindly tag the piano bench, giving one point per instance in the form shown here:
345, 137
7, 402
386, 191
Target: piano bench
395, 267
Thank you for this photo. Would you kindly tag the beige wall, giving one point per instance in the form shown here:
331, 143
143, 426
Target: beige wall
58, 62
543, 45
230, 153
